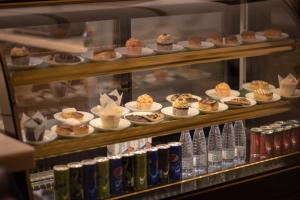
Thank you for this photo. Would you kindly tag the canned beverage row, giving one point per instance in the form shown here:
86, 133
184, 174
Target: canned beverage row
103, 177
278, 138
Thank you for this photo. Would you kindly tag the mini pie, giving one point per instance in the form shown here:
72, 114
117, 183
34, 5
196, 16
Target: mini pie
146, 118
263, 95
242, 101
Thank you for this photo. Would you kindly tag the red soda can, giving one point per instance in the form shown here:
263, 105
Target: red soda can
266, 144
278, 141
255, 144
287, 139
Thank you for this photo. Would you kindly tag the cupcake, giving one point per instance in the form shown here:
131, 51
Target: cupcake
19, 56
133, 46
180, 107
144, 102
223, 90
287, 85
165, 42
110, 115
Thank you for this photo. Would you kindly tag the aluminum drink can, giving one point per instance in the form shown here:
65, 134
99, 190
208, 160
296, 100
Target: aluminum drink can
76, 180
89, 179
163, 163
152, 166
282, 123
294, 137
102, 172
278, 141
255, 144
175, 173
293, 121
140, 175
61, 182
128, 172
287, 139
266, 144
116, 175
265, 128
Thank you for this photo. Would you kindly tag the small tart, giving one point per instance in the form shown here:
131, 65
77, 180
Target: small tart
104, 54
242, 101
207, 104
263, 95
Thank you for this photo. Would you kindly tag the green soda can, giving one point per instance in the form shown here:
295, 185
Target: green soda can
103, 177
140, 174
61, 182
76, 180
128, 172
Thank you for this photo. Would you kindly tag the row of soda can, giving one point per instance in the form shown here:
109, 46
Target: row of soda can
104, 177
278, 138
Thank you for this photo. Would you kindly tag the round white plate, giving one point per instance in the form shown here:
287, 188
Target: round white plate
252, 102
283, 35
97, 123
145, 52
95, 110
132, 106
247, 87
52, 62
296, 95
86, 117
212, 93
169, 112
176, 48
90, 131
259, 38
222, 108
142, 123
91, 57
275, 98
33, 62
49, 136
204, 45
169, 97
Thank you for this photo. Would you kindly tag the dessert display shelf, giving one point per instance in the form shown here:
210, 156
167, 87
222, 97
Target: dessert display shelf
98, 139
65, 72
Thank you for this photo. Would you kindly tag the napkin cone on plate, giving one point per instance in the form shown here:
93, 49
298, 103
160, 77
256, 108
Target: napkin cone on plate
287, 85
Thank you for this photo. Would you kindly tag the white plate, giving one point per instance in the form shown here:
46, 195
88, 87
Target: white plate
176, 48
90, 131
142, 123
247, 87
212, 93
145, 52
49, 136
86, 117
33, 62
275, 98
258, 38
204, 45
252, 102
222, 108
52, 62
91, 57
97, 123
95, 110
169, 112
296, 95
169, 97
132, 106
283, 35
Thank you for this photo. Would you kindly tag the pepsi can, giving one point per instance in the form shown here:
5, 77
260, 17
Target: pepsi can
152, 166
175, 161
163, 163
89, 170
128, 172
116, 175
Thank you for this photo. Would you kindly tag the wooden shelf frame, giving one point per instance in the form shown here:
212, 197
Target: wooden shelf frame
126, 65
100, 139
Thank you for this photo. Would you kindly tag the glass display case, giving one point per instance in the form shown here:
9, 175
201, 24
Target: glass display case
205, 90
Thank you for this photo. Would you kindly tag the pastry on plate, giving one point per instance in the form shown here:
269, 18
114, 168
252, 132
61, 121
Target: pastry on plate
165, 42
160, 74
259, 84
80, 129
64, 129
272, 33
231, 40
216, 40
223, 90
195, 41
65, 58
145, 118
248, 36
104, 54
19, 56
133, 46
187, 96
287, 85
241, 101
263, 95
68, 113
207, 104
144, 102
180, 107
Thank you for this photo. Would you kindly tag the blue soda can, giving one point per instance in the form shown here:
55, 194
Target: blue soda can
116, 175
89, 170
152, 166
175, 161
